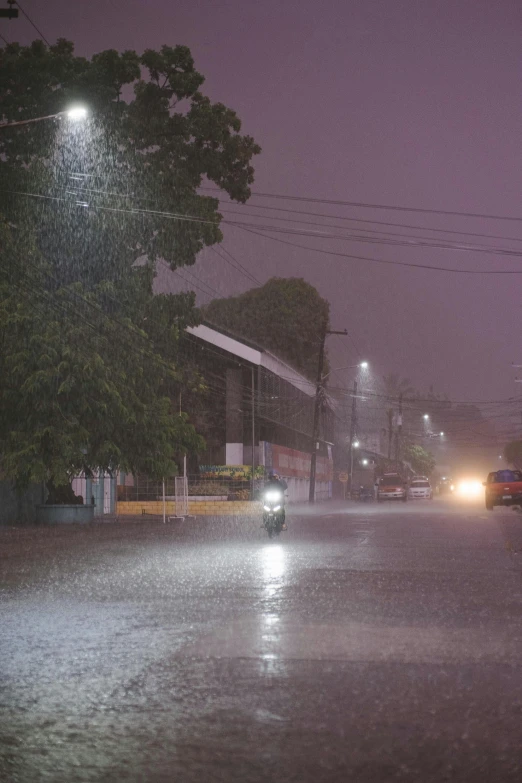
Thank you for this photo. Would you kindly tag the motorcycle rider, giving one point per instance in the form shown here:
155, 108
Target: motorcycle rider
275, 481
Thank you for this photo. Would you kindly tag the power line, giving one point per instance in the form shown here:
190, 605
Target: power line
431, 229
368, 221
195, 285
365, 205
174, 216
42, 36
426, 267
245, 271
390, 238
394, 239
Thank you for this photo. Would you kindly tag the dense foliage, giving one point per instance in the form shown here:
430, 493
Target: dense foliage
89, 354
513, 453
422, 461
285, 315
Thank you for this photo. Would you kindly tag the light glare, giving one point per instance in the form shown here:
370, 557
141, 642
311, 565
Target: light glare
77, 113
469, 489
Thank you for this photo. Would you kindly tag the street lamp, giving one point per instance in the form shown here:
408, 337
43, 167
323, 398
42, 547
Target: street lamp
356, 444
441, 434
75, 113
426, 416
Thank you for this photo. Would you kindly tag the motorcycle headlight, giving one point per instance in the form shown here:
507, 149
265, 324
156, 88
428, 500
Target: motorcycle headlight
276, 508
273, 495
266, 508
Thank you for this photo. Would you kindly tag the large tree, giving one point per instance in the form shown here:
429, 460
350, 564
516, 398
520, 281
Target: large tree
285, 315
422, 461
89, 354
513, 453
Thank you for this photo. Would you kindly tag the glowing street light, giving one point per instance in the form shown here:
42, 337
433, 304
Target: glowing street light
426, 416
356, 444
363, 365
75, 113
441, 434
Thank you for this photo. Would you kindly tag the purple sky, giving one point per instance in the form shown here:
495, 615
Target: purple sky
412, 103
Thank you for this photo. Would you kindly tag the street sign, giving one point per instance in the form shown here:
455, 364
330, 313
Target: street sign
343, 478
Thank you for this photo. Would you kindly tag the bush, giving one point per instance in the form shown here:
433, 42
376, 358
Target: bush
208, 488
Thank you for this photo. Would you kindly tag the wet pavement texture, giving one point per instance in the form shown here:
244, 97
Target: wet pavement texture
368, 643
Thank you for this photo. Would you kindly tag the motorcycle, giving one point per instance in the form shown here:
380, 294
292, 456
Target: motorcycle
273, 512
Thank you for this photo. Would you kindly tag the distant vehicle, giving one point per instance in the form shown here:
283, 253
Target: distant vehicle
503, 488
446, 485
420, 488
392, 487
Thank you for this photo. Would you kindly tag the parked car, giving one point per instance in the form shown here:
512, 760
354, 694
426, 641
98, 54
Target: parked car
392, 486
420, 488
503, 488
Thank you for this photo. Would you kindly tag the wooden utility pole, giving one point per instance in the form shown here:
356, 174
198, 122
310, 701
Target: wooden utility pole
398, 434
353, 430
390, 432
317, 409
9, 13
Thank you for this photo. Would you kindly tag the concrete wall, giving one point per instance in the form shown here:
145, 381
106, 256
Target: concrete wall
16, 509
216, 508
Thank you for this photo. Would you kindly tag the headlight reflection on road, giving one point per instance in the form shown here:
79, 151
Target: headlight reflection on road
273, 567
273, 562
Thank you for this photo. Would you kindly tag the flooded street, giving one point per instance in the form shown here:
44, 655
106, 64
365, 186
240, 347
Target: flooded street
367, 643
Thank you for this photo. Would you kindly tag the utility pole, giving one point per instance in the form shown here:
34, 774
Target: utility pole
317, 408
398, 434
353, 430
9, 13
390, 432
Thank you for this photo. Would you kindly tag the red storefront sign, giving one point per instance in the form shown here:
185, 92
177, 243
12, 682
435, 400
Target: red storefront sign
296, 464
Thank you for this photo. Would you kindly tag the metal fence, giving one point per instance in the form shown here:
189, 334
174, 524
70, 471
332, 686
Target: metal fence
222, 487
180, 491
143, 488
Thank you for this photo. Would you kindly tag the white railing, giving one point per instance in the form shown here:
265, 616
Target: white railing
181, 502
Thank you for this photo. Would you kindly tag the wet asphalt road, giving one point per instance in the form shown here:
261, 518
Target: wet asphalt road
370, 643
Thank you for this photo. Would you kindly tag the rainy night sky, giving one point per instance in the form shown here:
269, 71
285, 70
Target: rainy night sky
406, 103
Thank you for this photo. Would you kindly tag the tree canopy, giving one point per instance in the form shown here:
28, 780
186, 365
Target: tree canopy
513, 453
89, 355
285, 315
422, 461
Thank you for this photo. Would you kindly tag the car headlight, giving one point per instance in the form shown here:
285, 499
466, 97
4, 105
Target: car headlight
469, 489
